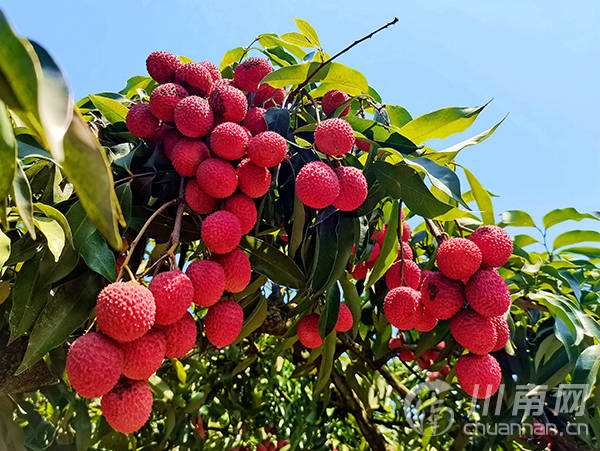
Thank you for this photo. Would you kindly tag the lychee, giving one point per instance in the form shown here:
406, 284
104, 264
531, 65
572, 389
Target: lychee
188, 153
195, 78
238, 270
254, 120
458, 258
359, 272
142, 357
208, 280
444, 370
268, 97
249, 73
502, 332
495, 244
317, 185
396, 342
94, 364
403, 273
424, 320
443, 297
223, 323
221, 232
164, 99
404, 252
170, 140
229, 140
140, 121
405, 231
173, 294
214, 71
363, 145
332, 100
334, 137
424, 363
375, 251
406, 355
254, 181
487, 293
162, 66
217, 178
474, 332
478, 375
244, 208
193, 117
267, 149
308, 331
431, 354
228, 103
400, 305
127, 407
433, 375
345, 320
125, 310
353, 188
198, 200
181, 336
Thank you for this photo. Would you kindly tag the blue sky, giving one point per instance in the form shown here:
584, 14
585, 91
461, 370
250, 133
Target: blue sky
538, 60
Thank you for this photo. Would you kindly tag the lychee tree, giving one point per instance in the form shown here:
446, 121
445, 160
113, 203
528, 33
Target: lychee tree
266, 255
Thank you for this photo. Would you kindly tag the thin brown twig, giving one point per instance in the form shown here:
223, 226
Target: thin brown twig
437, 234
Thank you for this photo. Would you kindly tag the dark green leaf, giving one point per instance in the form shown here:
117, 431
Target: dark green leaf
586, 370
297, 227
389, 249
326, 363
255, 319
278, 120
8, 152
4, 249
329, 315
352, 300
22, 293
384, 136
99, 257
441, 177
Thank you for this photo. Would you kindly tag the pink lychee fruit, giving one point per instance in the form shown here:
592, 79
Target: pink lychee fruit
221, 232
228, 103
403, 273
249, 73
188, 153
353, 188
244, 208
268, 96
334, 137
254, 120
478, 375
254, 181
317, 185
487, 293
181, 336
345, 320
142, 357
217, 178
308, 331
400, 305
173, 294
406, 355
443, 297
194, 117
458, 258
267, 149
502, 332
164, 99
223, 323
208, 280
195, 78
332, 100
140, 121
229, 140
212, 68
474, 332
238, 270
198, 200
127, 407
162, 66
495, 244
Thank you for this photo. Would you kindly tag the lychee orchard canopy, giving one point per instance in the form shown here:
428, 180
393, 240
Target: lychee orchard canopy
264, 254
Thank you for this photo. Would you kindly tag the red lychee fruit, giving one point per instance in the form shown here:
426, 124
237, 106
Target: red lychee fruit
363, 145
375, 251
405, 231
94, 364
332, 100
249, 73
495, 244
127, 407
487, 293
195, 78
188, 153
162, 66
424, 363
254, 181
424, 320
221, 232
345, 320
181, 336
478, 375
443, 297
228, 103
400, 305
353, 188
396, 342
223, 323
238, 270
308, 331
433, 375
406, 355
208, 280
474, 332
317, 185
125, 310
217, 178
170, 140
431, 354
403, 273
502, 332
458, 258
198, 200
360, 271
244, 208
254, 120
140, 121
444, 370
334, 137
173, 294
164, 99
142, 357
267, 149
194, 117
229, 140
268, 97
214, 71
405, 252
158, 135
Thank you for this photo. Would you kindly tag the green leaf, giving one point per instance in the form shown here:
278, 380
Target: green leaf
98, 256
352, 300
524, 240
440, 124
273, 263
4, 249
8, 152
398, 115
517, 218
329, 315
586, 370
53, 213
381, 134
23, 201
482, 197
54, 233
297, 227
296, 39
113, 110
231, 56
443, 178
255, 319
307, 30
22, 292
272, 40
565, 214
326, 366
389, 249
575, 236
588, 251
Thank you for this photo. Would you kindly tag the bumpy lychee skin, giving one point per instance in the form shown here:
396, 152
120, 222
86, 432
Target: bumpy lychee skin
353, 188
208, 280
424, 320
94, 364
142, 357
405, 232
254, 181
403, 273
228, 103
162, 66
374, 255
125, 310
443, 297
127, 407
195, 78
345, 320
188, 153
244, 208
404, 252
359, 272
217, 178
164, 99
334, 137
198, 200
223, 323
308, 331
249, 73
332, 100
406, 355
229, 140
502, 332
495, 243
268, 97
267, 149
214, 71
317, 185
238, 270
487, 293
140, 121
478, 375
254, 120
474, 332
181, 336
221, 232
458, 258
170, 140
158, 135
400, 305
173, 294
193, 117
